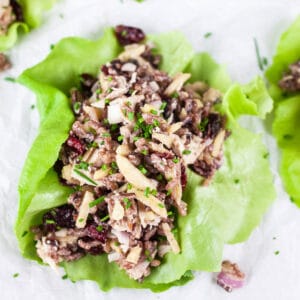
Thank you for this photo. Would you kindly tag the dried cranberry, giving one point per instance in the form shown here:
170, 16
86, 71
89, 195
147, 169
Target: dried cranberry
129, 35
183, 176
97, 235
104, 70
76, 144
95, 250
203, 168
214, 124
17, 9
62, 216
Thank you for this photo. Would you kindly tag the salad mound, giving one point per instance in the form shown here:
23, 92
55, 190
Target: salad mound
229, 185
136, 132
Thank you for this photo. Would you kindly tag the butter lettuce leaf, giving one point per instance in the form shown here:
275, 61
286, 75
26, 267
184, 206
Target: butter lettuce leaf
226, 211
286, 125
33, 11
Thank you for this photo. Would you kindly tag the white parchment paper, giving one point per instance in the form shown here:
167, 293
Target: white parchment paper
233, 24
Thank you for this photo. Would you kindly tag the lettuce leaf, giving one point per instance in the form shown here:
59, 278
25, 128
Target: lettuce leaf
224, 212
286, 123
33, 11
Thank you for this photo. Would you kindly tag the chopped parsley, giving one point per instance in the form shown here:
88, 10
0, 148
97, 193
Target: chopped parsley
107, 101
104, 167
136, 138
97, 201
186, 152
169, 192
98, 91
156, 123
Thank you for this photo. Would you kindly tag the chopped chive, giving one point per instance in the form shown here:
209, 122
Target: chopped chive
64, 277
129, 186
85, 177
161, 205
82, 165
16, 275
159, 177
186, 152
208, 34
144, 152
99, 228
109, 78
170, 213
104, 167
262, 62
104, 218
136, 138
163, 106
236, 181
10, 79
156, 123
114, 127
154, 192
175, 95
266, 155
92, 130
106, 134
276, 252
93, 145
97, 201
142, 169
98, 91
105, 121
153, 112
169, 192
147, 191
176, 160
24, 233
127, 202
120, 138
80, 220
114, 165
203, 124
102, 143
130, 115
50, 222
32, 106
107, 101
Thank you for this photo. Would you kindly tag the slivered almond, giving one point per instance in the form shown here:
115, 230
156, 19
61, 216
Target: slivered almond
117, 212
177, 83
66, 173
151, 201
218, 143
123, 150
132, 51
211, 95
174, 127
92, 112
87, 154
100, 174
165, 139
170, 237
84, 209
134, 255
133, 175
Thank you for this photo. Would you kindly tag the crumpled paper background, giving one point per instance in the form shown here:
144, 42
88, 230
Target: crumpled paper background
233, 25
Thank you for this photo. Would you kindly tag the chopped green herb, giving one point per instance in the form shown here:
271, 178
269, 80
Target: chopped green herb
114, 165
24, 233
16, 275
97, 201
288, 137
203, 124
262, 62
104, 167
236, 180
147, 191
156, 123
170, 213
106, 134
123, 33
154, 192
207, 35
129, 186
169, 192
163, 106
85, 177
130, 115
109, 78
105, 121
116, 243
98, 91
174, 230
82, 165
153, 112
144, 152
176, 160
136, 138
102, 143
107, 101
127, 202
10, 79
276, 252
159, 177
52, 46
104, 218
175, 95
99, 228
92, 145
161, 205
128, 103
120, 138
92, 130
50, 222
64, 277
266, 155
109, 90
186, 152
80, 220
148, 255
142, 169
32, 106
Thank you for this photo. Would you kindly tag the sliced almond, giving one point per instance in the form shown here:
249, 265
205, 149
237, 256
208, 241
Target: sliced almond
170, 237
66, 173
151, 201
100, 174
84, 209
133, 175
134, 255
177, 83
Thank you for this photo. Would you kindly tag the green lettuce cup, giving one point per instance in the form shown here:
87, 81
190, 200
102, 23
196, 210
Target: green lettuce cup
32, 12
286, 123
224, 212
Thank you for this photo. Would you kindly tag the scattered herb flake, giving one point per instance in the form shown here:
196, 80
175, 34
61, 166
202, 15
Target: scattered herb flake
161, 205
82, 166
50, 222
130, 115
106, 134
99, 228
147, 191
16, 275
203, 124
176, 160
85, 177
104, 218
276, 252
142, 169
144, 152
10, 79
127, 202
163, 106
153, 112
97, 201
129, 186
261, 61
64, 277
24, 233
236, 181
186, 152
120, 138
207, 35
